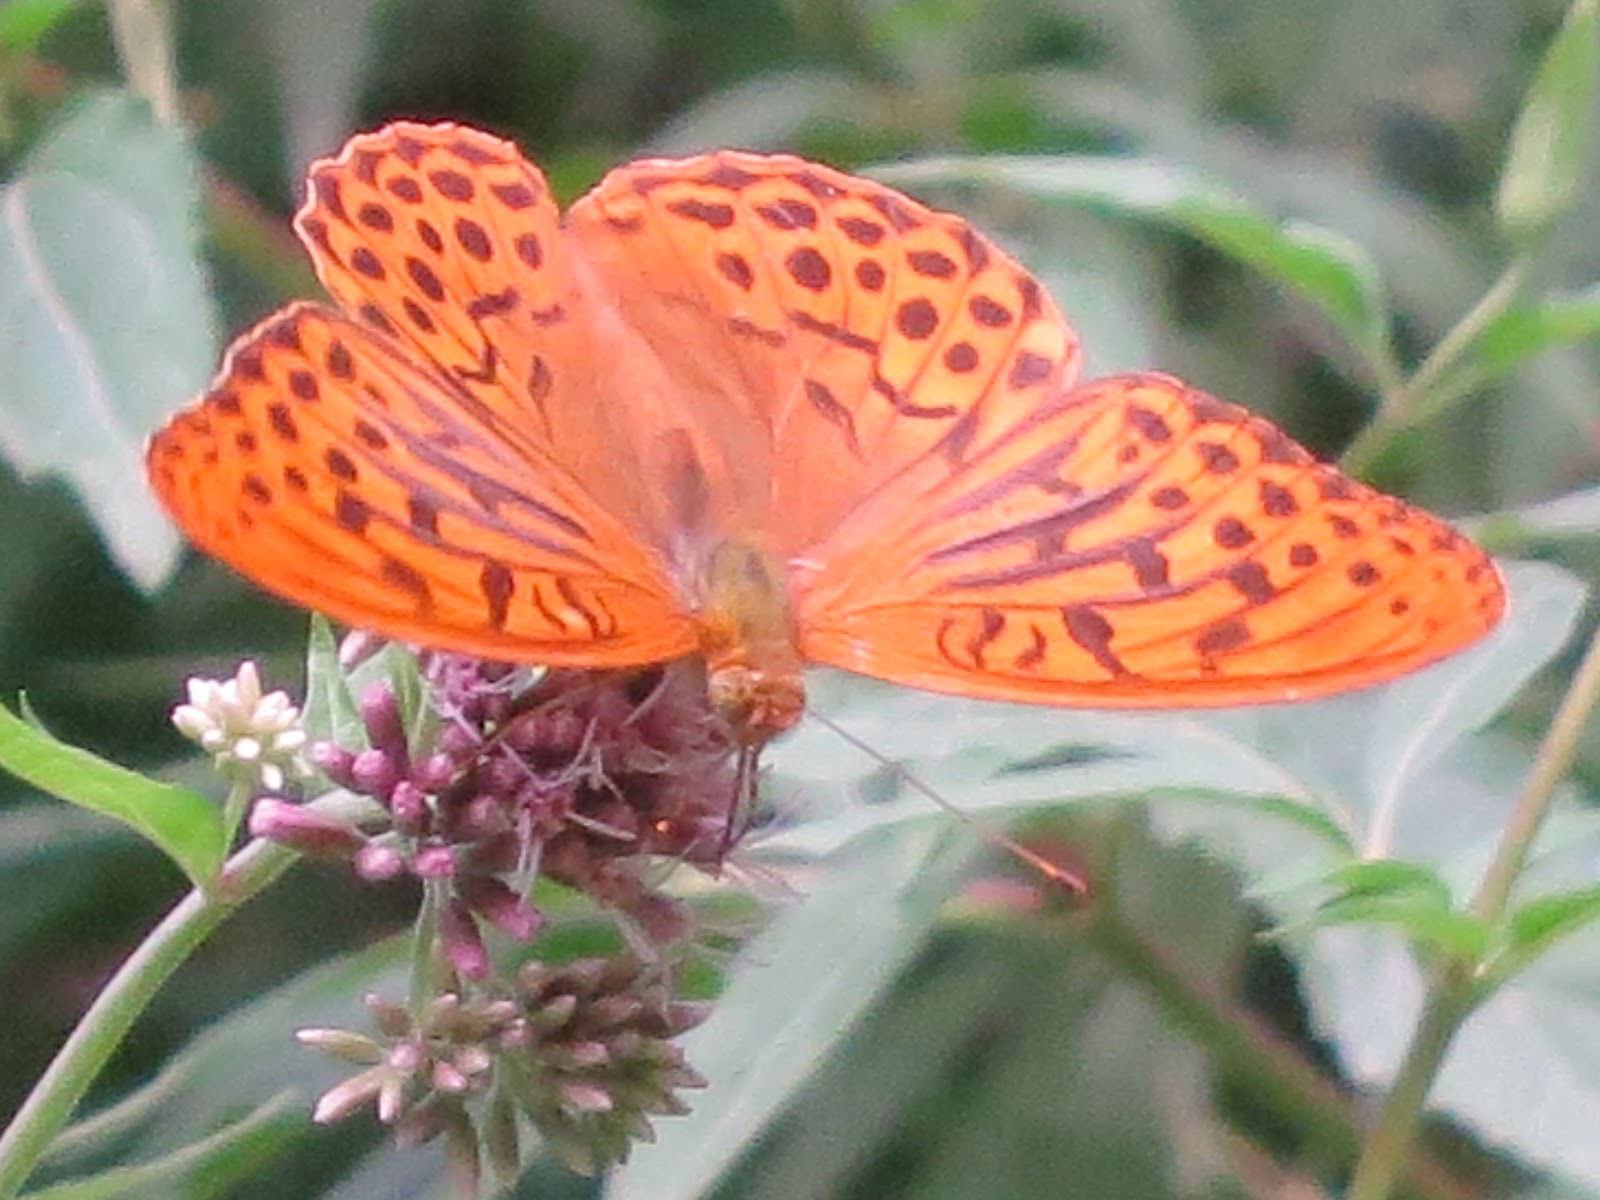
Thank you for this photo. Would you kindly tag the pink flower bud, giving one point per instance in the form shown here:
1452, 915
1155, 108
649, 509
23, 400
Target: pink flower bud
484, 816
508, 911
408, 804
459, 742
435, 772
434, 862
345, 1098
380, 713
334, 761
374, 773
463, 944
304, 829
377, 862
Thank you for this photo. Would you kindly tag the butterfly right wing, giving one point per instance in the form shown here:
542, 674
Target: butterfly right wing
1136, 543
329, 467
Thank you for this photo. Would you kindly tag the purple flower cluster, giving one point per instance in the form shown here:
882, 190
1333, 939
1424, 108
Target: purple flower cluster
583, 1050
589, 779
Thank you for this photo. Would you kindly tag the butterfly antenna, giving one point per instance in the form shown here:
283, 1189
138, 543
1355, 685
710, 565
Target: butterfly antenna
1053, 871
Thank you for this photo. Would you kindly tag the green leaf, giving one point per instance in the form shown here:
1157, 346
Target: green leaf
1007, 1087
247, 1062
24, 22
1326, 269
331, 712
1388, 877
1420, 919
183, 824
211, 1166
1546, 163
804, 982
105, 323
1538, 924
1523, 1073
1574, 515
1523, 332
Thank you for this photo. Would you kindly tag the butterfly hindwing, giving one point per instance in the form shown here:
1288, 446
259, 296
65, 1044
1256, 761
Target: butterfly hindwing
1137, 543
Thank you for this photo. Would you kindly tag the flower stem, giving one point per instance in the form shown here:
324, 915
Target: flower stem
101, 1030
1454, 991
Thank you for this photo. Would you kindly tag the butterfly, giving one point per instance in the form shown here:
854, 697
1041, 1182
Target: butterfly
750, 408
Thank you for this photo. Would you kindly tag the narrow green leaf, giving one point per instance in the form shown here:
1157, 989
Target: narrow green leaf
1545, 165
185, 825
1527, 331
1326, 269
1389, 877
1538, 923
209, 1167
1576, 514
1423, 922
105, 321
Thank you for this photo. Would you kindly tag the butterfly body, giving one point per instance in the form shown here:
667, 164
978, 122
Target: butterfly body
749, 408
749, 640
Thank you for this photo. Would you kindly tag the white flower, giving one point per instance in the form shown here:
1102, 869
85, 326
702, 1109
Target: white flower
249, 735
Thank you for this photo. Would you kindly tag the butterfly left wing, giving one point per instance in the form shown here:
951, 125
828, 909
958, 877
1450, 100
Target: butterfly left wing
330, 466
1136, 543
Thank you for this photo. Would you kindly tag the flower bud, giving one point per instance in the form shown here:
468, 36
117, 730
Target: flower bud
380, 713
509, 912
374, 773
408, 804
434, 862
377, 862
304, 829
334, 761
463, 944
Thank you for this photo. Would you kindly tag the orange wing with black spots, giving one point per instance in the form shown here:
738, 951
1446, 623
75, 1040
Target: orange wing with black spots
1136, 543
839, 329
331, 467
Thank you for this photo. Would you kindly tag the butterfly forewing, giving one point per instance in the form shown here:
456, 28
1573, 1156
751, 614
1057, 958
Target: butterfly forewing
1139, 543
852, 328
329, 466
449, 241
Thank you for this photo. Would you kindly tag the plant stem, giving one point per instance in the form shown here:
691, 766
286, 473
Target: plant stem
142, 31
1454, 991
1402, 408
101, 1030
1247, 1049
1450, 1000
1556, 752
234, 807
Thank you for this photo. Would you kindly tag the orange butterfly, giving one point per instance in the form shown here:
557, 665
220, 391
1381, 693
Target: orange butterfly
747, 407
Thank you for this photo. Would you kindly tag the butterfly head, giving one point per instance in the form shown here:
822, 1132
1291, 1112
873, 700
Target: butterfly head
756, 704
